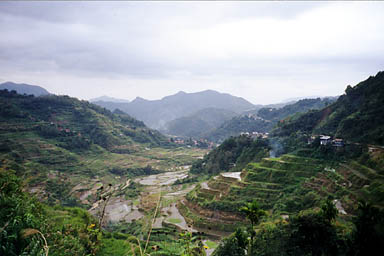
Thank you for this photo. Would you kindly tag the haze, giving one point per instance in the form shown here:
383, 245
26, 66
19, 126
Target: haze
264, 52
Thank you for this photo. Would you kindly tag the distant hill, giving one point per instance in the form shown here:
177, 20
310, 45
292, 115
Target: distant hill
108, 99
356, 116
156, 113
265, 119
198, 123
237, 125
72, 124
301, 106
24, 88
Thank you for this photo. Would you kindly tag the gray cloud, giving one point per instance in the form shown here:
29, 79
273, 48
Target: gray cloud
237, 47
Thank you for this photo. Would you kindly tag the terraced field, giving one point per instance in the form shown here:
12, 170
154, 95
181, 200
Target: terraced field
283, 185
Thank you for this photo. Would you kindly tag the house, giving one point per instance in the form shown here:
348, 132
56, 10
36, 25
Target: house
338, 143
325, 140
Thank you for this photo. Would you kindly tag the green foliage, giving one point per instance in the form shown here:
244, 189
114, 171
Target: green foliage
328, 210
234, 245
308, 233
312, 234
253, 212
368, 236
26, 224
192, 245
58, 192
18, 212
234, 152
116, 247
134, 172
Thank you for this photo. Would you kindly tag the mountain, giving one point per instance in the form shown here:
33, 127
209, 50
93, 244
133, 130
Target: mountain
198, 123
24, 88
72, 123
301, 106
356, 116
108, 99
265, 119
156, 113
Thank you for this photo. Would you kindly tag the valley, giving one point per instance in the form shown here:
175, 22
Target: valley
113, 186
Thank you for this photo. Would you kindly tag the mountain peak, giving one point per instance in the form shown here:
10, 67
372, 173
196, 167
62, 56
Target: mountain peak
24, 88
139, 99
108, 99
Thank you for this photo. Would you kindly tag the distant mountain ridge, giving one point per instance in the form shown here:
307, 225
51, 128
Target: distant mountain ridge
109, 99
24, 88
156, 113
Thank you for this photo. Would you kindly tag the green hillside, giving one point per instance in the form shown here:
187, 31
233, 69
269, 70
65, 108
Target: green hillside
233, 153
237, 125
291, 189
79, 159
356, 116
265, 120
301, 106
199, 123
55, 142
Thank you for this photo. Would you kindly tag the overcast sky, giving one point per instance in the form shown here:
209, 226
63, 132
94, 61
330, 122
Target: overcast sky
263, 51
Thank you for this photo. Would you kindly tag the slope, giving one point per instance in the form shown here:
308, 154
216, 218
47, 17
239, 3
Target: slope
24, 88
356, 116
156, 113
265, 119
198, 123
57, 142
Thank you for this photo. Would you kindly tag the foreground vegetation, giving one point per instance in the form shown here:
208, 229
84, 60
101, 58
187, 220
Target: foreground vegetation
311, 232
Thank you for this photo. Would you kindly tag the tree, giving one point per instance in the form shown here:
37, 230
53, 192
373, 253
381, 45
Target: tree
234, 245
312, 234
253, 212
328, 210
369, 234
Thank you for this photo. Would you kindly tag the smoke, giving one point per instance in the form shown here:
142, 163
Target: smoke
276, 148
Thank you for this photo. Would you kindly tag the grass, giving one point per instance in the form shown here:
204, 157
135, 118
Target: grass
174, 220
211, 244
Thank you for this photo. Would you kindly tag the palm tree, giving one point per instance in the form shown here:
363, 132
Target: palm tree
253, 212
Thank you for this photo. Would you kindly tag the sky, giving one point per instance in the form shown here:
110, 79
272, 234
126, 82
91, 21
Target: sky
265, 52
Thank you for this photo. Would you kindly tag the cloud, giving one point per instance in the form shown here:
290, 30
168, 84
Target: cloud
263, 51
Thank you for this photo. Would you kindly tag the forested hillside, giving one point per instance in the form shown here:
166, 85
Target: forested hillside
265, 120
55, 141
74, 124
199, 123
356, 116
